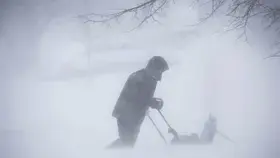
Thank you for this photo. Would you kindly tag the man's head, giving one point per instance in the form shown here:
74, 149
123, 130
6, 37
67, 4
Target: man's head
156, 66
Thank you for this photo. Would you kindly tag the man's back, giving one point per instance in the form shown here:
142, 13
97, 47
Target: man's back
136, 95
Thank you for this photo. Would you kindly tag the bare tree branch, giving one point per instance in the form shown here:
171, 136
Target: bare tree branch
153, 6
274, 55
240, 13
152, 13
215, 6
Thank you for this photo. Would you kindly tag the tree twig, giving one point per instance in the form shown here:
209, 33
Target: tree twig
151, 4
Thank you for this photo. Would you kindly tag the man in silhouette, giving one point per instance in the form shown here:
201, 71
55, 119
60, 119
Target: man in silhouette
135, 99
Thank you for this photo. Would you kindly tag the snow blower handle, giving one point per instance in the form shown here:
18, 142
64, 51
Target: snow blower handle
158, 130
170, 130
164, 119
225, 137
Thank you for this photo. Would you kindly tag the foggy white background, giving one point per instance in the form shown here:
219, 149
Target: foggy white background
61, 77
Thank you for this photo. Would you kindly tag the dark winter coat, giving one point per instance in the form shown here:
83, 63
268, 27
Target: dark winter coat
135, 97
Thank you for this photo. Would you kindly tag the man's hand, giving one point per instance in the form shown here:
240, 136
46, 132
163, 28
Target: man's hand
156, 103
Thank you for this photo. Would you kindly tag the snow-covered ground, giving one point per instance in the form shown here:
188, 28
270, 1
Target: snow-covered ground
62, 107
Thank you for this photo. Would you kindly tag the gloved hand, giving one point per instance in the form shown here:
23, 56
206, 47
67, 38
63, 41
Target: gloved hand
156, 103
